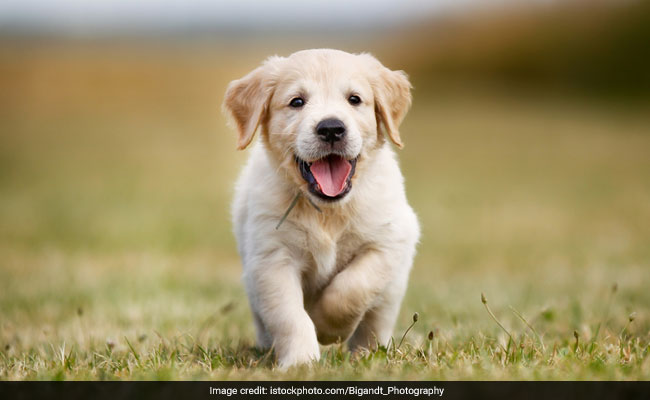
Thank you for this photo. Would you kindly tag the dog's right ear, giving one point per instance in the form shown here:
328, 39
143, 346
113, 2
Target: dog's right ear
247, 100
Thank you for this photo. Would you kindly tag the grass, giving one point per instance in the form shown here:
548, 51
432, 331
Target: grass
117, 259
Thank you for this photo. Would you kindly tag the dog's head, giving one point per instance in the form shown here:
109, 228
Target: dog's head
322, 112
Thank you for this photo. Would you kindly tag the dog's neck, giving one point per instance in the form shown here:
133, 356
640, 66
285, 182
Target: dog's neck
292, 205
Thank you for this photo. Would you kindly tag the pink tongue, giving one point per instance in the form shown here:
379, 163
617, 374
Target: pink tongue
331, 174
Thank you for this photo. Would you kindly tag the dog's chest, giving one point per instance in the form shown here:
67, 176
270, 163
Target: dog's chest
330, 253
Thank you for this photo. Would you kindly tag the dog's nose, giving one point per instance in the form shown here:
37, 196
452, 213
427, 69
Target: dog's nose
330, 130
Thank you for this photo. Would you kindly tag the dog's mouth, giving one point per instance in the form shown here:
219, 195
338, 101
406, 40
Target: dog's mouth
330, 177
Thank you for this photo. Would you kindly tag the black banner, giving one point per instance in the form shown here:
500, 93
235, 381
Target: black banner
324, 390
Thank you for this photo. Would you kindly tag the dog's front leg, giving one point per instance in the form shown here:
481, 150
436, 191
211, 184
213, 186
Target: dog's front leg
276, 295
346, 299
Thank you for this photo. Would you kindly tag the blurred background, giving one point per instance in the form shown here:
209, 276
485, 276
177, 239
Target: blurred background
527, 159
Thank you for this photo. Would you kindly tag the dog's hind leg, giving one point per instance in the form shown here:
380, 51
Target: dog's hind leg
264, 340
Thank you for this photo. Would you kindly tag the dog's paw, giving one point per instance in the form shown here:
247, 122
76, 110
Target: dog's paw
298, 353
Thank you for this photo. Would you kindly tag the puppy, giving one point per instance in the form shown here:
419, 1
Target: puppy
324, 230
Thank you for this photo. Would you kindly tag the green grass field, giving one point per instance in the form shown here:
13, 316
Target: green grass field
117, 259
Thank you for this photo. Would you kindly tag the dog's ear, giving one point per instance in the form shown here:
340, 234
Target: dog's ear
247, 100
392, 91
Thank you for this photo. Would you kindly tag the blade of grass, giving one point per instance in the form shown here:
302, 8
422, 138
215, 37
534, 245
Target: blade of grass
521, 317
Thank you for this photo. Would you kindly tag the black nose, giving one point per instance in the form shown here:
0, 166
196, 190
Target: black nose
330, 130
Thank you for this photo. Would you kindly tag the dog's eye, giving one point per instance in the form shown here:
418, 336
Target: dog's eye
297, 102
354, 100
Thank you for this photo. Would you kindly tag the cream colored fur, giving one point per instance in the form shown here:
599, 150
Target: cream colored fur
334, 275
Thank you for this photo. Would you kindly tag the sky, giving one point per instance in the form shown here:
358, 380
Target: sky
105, 15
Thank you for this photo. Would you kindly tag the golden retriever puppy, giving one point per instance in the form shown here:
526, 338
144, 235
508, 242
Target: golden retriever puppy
324, 230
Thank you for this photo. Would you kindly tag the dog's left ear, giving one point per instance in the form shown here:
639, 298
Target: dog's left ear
392, 91
247, 101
